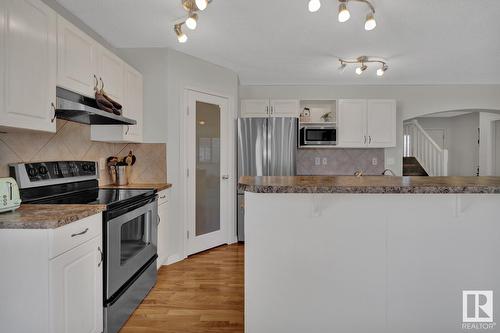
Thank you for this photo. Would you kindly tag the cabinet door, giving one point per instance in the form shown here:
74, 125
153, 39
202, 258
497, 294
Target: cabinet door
76, 290
352, 123
162, 234
133, 104
111, 71
285, 108
28, 60
77, 59
381, 123
255, 108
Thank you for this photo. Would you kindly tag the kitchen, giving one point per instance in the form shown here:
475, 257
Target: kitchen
149, 118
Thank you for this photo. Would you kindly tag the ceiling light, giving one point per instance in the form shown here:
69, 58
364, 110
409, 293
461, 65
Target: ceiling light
370, 22
201, 4
362, 64
314, 5
360, 70
344, 14
192, 21
181, 37
381, 71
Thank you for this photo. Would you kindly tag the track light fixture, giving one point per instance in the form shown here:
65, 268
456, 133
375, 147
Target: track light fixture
344, 15
191, 22
362, 64
181, 37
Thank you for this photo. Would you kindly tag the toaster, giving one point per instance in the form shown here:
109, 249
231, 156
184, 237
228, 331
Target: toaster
10, 199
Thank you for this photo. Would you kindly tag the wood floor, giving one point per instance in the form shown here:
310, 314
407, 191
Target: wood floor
203, 293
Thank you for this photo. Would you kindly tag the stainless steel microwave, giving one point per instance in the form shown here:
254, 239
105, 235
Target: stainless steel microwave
318, 135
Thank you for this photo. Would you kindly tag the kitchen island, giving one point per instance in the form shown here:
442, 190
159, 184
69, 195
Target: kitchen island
368, 254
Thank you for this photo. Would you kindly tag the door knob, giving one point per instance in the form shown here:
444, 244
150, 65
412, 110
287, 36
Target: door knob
225, 177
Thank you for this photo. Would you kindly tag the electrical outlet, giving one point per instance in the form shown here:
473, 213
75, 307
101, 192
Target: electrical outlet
374, 161
102, 164
325, 161
317, 161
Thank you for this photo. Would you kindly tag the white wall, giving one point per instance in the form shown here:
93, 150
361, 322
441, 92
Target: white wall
167, 73
413, 101
461, 141
497, 148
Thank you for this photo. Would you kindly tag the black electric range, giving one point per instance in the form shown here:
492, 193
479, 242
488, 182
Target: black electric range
129, 232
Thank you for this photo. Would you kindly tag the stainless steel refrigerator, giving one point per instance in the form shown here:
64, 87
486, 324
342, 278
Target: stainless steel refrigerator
266, 147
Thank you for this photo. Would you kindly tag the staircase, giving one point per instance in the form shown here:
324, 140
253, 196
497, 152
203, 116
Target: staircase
411, 167
422, 156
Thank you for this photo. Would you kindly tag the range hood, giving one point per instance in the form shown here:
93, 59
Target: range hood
80, 109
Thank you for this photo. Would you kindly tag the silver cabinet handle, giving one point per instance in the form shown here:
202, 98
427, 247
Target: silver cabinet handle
370, 139
102, 83
267, 110
96, 85
225, 177
365, 139
53, 109
272, 109
163, 197
128, 129
102, 256
80, 233
158, 220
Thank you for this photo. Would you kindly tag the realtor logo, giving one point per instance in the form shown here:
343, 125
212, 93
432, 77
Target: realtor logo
477, 306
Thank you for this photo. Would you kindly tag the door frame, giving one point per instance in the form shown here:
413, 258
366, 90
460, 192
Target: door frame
230, 232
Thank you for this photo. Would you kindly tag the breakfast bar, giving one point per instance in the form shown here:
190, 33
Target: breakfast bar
367, 254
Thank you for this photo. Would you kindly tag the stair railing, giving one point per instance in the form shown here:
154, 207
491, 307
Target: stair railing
419, 144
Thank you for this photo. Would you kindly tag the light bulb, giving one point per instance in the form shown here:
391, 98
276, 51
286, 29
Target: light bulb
181, 37
344, 14
370, 22
201, 4
192, 21
360, 70
381, 71
314, 5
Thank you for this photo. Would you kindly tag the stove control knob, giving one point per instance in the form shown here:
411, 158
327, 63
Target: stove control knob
85, 167
43, 170
32, 172
92, 168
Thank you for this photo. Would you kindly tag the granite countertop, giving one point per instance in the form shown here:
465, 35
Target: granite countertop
47, 216
156, 186
369, 184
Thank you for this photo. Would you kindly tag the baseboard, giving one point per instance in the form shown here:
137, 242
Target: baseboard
173, 259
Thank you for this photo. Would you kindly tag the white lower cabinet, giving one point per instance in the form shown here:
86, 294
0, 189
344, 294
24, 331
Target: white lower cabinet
162, 228
52, 279
76, 289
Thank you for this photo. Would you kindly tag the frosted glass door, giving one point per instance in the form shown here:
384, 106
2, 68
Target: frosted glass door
208, 181
207, 168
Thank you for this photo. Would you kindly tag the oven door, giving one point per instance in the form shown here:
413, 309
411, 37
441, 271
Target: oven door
131, 241
320, 136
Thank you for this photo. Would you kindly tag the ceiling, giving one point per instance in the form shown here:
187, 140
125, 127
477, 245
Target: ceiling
280, 42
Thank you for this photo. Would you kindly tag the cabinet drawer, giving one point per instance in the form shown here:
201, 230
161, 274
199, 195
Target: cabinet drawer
162, 197
71, 235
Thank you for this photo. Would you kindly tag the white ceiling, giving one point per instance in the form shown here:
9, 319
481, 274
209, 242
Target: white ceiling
280, 42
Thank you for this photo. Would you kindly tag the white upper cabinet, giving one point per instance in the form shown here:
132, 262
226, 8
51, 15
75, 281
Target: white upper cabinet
111, 74
133, 101
285, 108
133, 108
366, 123
28, 61
381, 123
77, 68
256, 108
352, 123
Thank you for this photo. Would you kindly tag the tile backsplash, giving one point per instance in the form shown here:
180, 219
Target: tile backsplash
340, 161
72, 142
